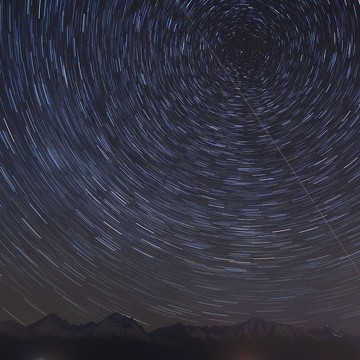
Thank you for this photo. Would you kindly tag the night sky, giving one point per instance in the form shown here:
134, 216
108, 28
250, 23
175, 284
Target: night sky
193, 161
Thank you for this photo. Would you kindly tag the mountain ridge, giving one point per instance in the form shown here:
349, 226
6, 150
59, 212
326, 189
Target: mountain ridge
127, 329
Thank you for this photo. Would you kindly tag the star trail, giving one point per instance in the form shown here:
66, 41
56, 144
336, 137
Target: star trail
193, 161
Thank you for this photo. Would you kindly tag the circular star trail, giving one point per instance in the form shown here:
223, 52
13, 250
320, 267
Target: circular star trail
145, 160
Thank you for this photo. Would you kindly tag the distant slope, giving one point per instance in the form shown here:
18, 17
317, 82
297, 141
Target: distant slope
12, 328
52, 325
127, 330
120, 326
252, 330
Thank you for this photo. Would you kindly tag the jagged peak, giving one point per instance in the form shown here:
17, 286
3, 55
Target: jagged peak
179, 325
55, 318
52, 318
120, 318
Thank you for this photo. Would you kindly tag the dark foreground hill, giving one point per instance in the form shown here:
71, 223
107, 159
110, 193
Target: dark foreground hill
120, 338
113, 349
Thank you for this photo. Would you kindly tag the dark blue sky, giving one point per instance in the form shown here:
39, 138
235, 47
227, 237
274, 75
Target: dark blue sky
193, 161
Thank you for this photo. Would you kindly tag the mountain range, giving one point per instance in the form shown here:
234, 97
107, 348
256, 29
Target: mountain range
52, 325
127, 329
121, 337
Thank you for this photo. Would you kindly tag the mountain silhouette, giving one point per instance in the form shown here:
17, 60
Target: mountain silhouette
127, 329
252, 330
50, 325
119, 334
120, 326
